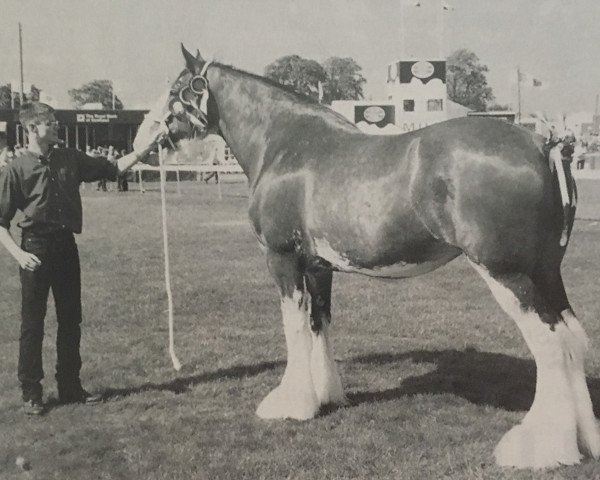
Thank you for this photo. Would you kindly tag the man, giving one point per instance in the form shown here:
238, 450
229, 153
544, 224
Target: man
44, 184
3, 150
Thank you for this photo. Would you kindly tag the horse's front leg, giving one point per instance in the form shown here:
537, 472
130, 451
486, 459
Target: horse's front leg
295, 396
326, 379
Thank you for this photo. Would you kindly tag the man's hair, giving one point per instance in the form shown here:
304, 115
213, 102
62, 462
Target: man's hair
34, 113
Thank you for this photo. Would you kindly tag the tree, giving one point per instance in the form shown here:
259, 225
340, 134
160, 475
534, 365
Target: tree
466, 80
497, 107
5, 92
297, 73
5, 96
344, 80
96, 91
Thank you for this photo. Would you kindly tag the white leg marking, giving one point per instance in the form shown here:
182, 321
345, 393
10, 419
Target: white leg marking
295, 396
326, 379
587, 426
547, 436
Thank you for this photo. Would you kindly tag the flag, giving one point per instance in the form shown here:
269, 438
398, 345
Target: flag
529, 80
446, 6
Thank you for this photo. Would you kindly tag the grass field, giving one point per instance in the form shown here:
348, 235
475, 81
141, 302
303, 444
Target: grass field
436, 373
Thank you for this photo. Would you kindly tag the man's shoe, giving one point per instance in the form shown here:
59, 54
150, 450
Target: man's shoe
34, 407
79, 396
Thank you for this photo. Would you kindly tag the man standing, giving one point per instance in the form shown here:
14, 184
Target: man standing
3, 150
44, 184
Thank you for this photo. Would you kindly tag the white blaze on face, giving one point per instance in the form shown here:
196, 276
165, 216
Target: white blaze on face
153, 123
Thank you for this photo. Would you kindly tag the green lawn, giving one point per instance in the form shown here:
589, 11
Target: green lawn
435, 371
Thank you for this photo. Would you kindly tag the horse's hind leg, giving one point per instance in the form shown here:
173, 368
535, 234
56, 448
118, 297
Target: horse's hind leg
550, 281
295, 396
561, 411
326, 379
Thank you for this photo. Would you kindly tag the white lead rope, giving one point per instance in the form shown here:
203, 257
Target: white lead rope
174, 359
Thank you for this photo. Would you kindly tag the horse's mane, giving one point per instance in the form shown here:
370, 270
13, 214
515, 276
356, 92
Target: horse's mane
295, 97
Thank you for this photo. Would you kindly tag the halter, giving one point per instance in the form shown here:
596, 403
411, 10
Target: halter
193, 96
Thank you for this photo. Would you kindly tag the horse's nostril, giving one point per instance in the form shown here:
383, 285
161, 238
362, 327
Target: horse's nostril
178, 108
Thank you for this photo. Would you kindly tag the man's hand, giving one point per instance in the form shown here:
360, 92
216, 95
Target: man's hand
150, 134
28, 261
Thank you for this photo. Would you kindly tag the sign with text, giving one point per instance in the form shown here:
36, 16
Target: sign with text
95, 117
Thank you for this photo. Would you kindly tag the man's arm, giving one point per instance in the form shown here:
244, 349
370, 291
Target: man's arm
27, 261
127, 161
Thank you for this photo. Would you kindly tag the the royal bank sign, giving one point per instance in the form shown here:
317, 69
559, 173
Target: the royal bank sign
96, 117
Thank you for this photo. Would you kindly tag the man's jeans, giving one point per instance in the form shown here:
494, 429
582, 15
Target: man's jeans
59, 271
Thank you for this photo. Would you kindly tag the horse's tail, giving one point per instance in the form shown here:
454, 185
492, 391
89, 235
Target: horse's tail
568, 191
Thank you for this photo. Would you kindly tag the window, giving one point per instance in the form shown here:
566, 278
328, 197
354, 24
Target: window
409, 105
435, 105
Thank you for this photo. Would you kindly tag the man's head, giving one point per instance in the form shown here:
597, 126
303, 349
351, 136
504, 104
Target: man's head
39, 122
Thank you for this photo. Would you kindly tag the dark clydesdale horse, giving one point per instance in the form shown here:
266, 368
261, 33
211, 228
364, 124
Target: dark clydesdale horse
326, 197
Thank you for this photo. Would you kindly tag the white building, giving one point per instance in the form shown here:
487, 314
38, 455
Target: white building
416, 97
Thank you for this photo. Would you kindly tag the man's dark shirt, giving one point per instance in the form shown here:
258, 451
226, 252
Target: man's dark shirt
46, 189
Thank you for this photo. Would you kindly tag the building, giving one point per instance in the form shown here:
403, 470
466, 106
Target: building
81, 128
416, 97
506, 115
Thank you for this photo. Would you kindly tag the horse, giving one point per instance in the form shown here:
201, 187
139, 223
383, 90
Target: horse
326, 197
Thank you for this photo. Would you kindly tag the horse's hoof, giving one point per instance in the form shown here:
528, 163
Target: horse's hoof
589, 439
286, 403
529, 446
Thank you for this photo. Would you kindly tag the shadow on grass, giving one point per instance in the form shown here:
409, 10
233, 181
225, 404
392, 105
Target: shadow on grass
183, 384
482, 378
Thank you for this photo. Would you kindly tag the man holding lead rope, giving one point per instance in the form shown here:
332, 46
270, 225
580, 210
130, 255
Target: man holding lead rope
44, 184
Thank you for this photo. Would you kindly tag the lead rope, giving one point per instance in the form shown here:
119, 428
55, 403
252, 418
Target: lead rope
163, 201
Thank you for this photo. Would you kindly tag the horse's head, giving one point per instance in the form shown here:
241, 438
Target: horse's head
186, 109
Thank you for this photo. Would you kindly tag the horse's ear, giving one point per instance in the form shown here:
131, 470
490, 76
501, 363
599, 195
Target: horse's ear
198, 56
190, 61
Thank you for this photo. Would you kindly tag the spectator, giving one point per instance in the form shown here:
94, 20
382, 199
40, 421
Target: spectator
3, 150
102, 152
215, 153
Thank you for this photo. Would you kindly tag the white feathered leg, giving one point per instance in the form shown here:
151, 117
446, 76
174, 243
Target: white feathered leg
547, 436
295, 396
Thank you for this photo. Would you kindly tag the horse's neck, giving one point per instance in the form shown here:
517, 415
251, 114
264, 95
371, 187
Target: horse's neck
249, 110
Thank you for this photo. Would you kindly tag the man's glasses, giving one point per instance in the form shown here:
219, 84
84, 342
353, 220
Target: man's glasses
49, 123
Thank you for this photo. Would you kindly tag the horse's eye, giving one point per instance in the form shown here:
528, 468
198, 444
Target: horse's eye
198, 84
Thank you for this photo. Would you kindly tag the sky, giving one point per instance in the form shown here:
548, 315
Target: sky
135, 43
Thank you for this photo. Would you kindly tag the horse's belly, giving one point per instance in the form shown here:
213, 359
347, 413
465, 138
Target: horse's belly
395, 268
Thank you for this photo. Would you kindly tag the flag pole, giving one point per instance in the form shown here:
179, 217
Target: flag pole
112, 93
402, 34
519, 93
21, 60
441, 29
